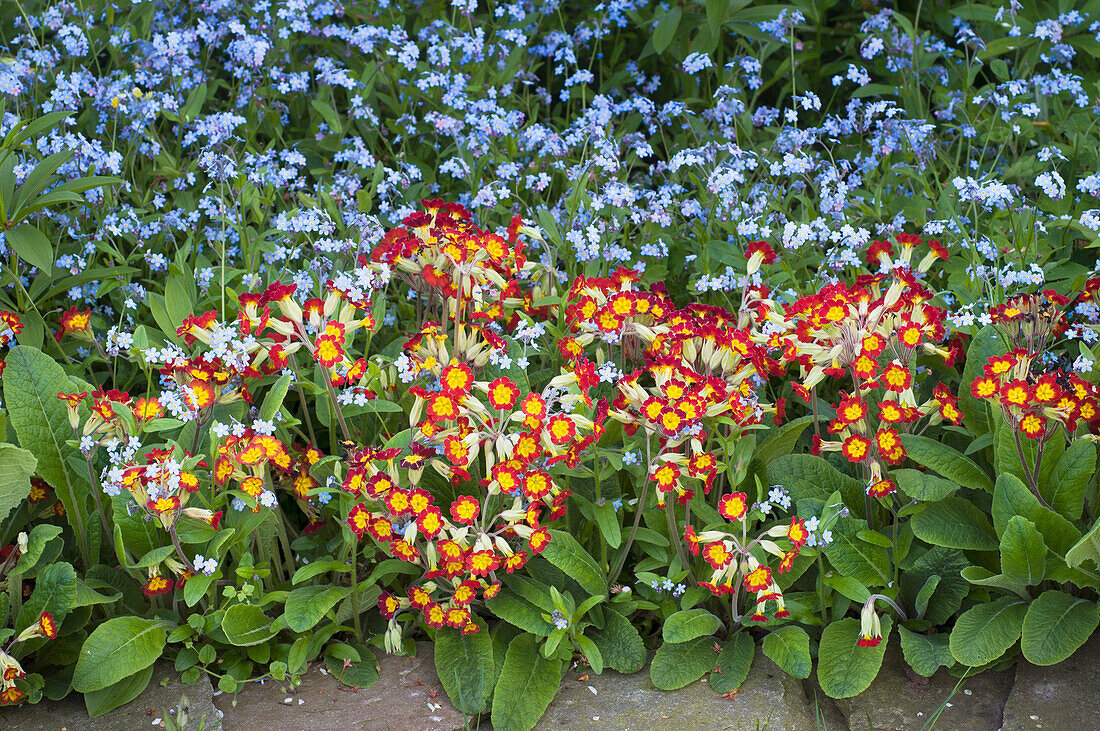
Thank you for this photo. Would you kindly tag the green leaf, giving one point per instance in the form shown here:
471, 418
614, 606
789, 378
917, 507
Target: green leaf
619, 643
514, 610
677, 664
949, 462
924, 486
568, 555
1057, 624
321, 566
666, 29
465, 667
16, 468
528, 682
273, 401
32, 381
591, 653
734, 663
924, 596
307, 605
782, 440
810, 476
246, 624
1087, 549
608, 521
359, 674
845, 669
984, 632
865, 562
32, 246
40, 536
1012, 497
688, 624
925, 653
54, 591
116, 649
99, 702
954, 523
789, 648
1065, 490
1023, 553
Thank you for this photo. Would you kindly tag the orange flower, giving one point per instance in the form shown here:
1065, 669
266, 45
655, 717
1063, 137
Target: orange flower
539, 540
430, 522
47, 627
359, 519
896, 378
1033, 425
456, 379
856, 448
328, 351
733, 506
758, 580
797, 533
503, 394
480, 563
851, 410
156, 584
465, 510
666, 476
1016, 393
882, 488
442, 407
561, 429
717, 555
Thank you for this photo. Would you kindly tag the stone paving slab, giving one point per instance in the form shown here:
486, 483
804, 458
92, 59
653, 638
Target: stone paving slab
407, 697
769, 698
1062, 696
899, 700
146, 711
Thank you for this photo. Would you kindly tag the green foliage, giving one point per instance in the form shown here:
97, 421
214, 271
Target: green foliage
845, 669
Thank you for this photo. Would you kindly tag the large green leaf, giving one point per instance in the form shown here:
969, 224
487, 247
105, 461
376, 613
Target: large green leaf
782, 440
515, 611
954, 523
665, 30
924, 486
734, 663
527, 684
1012, 497
948, 462
99, 702
246, 624
1057, 624
925, 653
54, 592
845, 669
619, 643
32, 381
687, 624
1064, 491
867, 563
984, 632
568, 555
1023, 553
117, 649
789, 648
810, 476
677, 664
32, 246
465, 667
1086, 549
307, 605
16, 468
